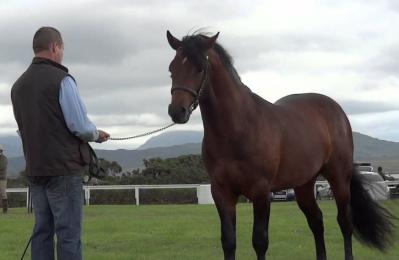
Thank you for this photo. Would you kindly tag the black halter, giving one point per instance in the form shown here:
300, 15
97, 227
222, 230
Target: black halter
195, 94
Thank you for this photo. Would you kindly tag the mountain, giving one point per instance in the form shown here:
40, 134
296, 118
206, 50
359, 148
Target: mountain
370, 148
132, 159
173, 138
377, 152
128, 159
12, 145
15, 165
367, 149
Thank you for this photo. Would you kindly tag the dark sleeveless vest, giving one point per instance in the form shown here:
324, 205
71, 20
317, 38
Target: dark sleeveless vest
50, 149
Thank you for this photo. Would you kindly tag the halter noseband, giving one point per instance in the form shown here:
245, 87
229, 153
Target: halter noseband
195, 94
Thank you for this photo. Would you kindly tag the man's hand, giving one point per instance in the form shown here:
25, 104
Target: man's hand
102, 136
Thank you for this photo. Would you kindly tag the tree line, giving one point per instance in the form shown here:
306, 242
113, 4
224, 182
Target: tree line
186, 169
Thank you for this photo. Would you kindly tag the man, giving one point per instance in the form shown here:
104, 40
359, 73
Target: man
3, 180
54, 128
383, 175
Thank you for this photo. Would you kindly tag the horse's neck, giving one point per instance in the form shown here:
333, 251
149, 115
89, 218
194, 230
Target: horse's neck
225, 100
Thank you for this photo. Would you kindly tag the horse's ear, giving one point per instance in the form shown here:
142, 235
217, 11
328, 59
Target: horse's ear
173, 42
210, 41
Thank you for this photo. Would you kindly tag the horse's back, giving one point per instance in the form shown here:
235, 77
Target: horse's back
310, 100
313, 106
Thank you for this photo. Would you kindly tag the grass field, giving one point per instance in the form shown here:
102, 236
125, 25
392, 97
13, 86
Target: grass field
189, 232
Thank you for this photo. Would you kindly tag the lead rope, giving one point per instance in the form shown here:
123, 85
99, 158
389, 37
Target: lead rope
141, 135
26, 248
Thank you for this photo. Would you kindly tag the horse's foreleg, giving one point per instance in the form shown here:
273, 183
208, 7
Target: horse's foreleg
226, 205
260, 236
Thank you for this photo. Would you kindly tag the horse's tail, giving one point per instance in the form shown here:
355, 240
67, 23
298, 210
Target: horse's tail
372, 223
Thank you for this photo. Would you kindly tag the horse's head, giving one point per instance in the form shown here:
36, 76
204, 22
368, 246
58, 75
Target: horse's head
189, 73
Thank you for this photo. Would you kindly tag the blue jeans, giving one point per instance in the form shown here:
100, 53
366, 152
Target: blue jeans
57, 205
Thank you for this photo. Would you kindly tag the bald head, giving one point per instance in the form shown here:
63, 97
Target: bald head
47, 43
44, 37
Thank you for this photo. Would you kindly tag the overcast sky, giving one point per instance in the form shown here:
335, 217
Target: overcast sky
119, 55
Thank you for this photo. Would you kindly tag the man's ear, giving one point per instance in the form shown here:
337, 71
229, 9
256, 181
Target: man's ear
52, 47
173, 42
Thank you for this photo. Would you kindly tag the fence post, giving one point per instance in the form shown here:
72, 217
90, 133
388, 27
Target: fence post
27, 198
29, 202
87, 196
136, 195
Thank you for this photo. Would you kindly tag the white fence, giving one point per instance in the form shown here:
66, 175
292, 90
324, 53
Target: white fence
137, 189
202, 191
20, 190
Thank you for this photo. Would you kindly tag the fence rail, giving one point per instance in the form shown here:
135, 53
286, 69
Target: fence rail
21, 190
136, 188
203, 190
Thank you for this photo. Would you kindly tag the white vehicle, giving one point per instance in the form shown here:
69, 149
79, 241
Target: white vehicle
287, 194
323, 191
393, 187
375, 185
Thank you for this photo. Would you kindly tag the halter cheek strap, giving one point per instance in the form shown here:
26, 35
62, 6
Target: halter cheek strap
195, 94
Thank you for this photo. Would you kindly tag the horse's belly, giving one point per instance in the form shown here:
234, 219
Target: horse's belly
295, 173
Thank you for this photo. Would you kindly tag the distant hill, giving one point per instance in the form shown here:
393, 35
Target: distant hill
172, 144
12, 145
378, 152
128, 159
15, 165
370, 148
173, 138
132, 159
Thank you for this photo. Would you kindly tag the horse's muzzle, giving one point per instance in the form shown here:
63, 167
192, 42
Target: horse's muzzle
179, 114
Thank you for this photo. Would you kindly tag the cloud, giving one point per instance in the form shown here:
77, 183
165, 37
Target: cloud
354, 107
386, 62
7, 123
118, 53
383, 125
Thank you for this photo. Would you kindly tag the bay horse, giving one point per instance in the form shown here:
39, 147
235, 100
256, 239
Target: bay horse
252, 147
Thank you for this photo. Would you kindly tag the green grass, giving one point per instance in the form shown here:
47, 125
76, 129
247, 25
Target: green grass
189, 232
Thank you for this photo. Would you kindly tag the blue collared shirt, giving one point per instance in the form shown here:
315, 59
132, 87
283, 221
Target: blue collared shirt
75, 113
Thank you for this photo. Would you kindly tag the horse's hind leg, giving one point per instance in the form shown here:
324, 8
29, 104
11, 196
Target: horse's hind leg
339, 178
306, 200
226, 205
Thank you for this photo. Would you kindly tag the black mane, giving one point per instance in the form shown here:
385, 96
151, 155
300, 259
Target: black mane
193, 48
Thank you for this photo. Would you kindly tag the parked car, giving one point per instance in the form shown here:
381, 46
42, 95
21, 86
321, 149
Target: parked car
323, 191
393, 187
375, 185
287, 194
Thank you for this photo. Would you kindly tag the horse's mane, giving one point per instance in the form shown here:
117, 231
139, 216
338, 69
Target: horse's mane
193, 46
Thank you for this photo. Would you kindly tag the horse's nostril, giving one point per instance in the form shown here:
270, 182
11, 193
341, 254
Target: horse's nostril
177, 111
170, 109
183, 110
